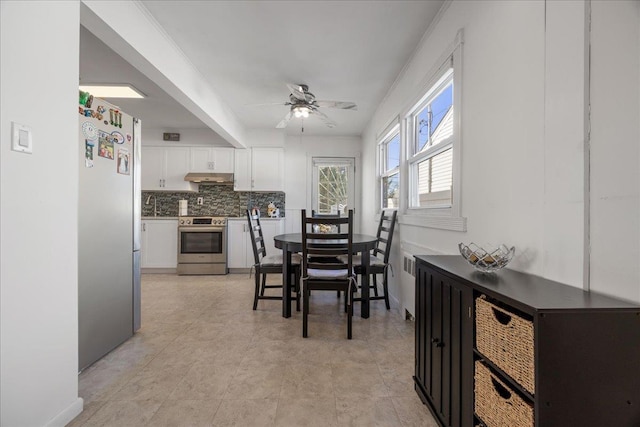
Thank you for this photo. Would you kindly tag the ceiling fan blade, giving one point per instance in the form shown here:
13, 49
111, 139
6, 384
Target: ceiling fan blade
267, 104
325, 119
337, 104
297, 91
285, 121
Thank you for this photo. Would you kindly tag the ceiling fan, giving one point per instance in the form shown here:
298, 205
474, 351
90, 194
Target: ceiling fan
303, 103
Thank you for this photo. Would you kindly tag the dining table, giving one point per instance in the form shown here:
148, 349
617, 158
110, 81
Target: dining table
291, 243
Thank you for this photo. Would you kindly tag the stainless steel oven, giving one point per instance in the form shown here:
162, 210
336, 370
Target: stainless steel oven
202, 245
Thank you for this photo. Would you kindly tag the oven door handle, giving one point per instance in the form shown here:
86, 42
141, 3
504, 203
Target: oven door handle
200, 229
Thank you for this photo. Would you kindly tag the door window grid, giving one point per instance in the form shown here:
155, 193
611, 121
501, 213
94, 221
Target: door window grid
333, 185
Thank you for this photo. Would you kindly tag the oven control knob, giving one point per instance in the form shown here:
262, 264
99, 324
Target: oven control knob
182, 221
188, 221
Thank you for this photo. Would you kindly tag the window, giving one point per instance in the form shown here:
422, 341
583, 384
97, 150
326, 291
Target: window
390, 169
332, 185
431, 134
431, 165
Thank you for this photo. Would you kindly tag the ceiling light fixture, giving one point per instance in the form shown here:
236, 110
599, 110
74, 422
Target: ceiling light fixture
301, 111
104, 90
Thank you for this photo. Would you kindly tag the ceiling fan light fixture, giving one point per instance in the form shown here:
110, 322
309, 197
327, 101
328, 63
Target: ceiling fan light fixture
301, 112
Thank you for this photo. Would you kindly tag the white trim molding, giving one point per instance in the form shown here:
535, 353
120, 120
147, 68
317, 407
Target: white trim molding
453, 223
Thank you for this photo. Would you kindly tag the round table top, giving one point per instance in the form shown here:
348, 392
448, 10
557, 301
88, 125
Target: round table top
294, 240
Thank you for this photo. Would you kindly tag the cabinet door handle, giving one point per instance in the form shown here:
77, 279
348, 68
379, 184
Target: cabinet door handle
435, 340
144, 227
439, 344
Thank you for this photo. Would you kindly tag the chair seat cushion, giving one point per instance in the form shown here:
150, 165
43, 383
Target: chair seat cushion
274, 260
313, 273
357, 261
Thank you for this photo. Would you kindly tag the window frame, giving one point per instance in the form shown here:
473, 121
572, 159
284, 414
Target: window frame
448, 217
417, 156
384, 140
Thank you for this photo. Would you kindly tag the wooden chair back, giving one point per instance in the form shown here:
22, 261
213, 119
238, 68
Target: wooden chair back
322, 245
385, 234
257, 241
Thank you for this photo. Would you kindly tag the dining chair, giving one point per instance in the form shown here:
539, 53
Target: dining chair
327, 276
379, 261
325, 228
269, 264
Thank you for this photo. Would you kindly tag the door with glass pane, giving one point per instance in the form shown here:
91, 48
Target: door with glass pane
333, 185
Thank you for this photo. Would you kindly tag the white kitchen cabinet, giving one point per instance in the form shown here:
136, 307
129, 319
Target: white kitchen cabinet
259, 169
239, 247
237, 242
242, 170
267, 169
212, 159
164, 168
159, 243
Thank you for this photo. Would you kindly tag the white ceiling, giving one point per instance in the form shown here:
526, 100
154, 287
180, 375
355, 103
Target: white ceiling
249, 50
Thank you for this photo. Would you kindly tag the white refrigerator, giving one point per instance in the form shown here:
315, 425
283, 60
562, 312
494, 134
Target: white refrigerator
108, 228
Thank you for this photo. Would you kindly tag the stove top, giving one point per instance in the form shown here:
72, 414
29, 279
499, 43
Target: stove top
202, 220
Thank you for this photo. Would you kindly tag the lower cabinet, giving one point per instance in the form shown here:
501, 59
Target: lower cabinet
512, 349
239, 247
444, 352
159, 243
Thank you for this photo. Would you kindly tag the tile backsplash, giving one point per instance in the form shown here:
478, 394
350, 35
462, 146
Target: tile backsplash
218, 200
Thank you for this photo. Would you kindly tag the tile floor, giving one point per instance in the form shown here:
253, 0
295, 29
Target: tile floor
204, 358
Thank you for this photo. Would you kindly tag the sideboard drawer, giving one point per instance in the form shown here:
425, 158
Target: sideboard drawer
497, 404
506, 339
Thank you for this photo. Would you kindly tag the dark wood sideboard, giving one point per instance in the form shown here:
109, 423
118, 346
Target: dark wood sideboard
552, 355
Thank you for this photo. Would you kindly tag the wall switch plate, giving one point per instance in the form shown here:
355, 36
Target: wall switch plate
211, 165
21, 139
200, 200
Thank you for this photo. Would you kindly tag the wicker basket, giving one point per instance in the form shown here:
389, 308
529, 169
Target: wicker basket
507, 340
496, 404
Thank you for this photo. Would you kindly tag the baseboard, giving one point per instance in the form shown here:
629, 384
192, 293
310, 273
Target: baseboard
239, 270
394, 302
66, 416
158, 270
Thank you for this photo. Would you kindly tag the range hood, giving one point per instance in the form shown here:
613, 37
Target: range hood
210, 178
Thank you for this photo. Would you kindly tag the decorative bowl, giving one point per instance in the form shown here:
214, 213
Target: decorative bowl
484, 260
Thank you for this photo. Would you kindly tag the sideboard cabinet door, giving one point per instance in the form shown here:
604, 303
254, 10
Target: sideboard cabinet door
444, 346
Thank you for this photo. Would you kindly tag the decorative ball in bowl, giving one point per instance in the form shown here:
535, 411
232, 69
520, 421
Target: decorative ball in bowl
485, 260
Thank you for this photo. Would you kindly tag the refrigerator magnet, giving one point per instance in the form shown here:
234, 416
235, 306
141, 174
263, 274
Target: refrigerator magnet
89, 130
117, 137
123, 161
88, 153
105, 145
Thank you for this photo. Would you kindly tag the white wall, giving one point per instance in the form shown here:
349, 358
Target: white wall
204, 137
38, 214
298, 152
615, 148
524, 92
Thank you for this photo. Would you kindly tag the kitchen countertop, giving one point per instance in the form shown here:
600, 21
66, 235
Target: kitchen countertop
234, 218
146, 218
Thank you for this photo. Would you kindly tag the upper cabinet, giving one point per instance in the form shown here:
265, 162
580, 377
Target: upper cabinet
259, 169
212, 159
164, 168
254, 169
242, 171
